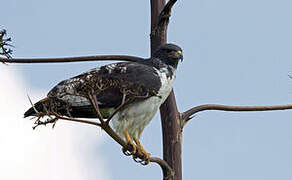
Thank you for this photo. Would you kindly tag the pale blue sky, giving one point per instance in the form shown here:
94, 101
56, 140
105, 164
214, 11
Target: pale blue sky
235, 52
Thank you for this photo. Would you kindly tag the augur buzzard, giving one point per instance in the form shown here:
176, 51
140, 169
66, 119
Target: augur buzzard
143, 85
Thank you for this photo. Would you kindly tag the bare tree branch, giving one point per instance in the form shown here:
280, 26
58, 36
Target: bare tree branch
166, 169
166, 11
72, 59
92, 98
124, 102
106, 127
187, 115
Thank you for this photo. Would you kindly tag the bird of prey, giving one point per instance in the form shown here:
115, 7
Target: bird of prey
140, 86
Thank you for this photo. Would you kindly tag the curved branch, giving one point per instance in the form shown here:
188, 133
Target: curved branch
166, 169
186, 116
72, 59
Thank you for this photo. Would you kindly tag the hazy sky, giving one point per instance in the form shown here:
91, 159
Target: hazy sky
235, 52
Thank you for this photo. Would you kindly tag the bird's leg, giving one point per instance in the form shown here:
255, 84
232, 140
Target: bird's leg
146, 155
131, 148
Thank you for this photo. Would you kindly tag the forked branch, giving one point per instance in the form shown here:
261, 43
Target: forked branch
187, 115
166, 11
163, 19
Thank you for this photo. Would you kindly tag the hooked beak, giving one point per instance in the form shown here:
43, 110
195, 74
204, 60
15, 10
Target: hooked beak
181, 57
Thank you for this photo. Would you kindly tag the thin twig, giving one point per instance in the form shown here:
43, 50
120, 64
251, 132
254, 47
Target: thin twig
94, 102
4, 43
187, 115
75, 120
38, 122
124, 102
32, 105
72, 59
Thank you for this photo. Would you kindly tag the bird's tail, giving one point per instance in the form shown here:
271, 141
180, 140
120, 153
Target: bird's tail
37, 108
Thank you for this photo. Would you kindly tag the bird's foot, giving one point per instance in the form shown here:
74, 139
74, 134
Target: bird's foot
142, 156
130, 149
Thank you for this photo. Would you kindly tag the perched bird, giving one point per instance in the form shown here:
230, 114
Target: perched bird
141, 87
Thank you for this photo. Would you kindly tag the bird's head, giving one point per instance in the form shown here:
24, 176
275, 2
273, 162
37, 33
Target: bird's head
170, 54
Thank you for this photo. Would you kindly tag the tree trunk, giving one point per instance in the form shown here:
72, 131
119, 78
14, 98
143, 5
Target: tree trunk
170, 119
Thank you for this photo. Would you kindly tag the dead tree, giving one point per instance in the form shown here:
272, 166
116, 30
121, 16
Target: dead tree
172, 120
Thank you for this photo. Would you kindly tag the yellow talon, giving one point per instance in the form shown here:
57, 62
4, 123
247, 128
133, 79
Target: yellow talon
132, 150
143, 151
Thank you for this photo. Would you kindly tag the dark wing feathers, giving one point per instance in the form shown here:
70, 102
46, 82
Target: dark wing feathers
110, 82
